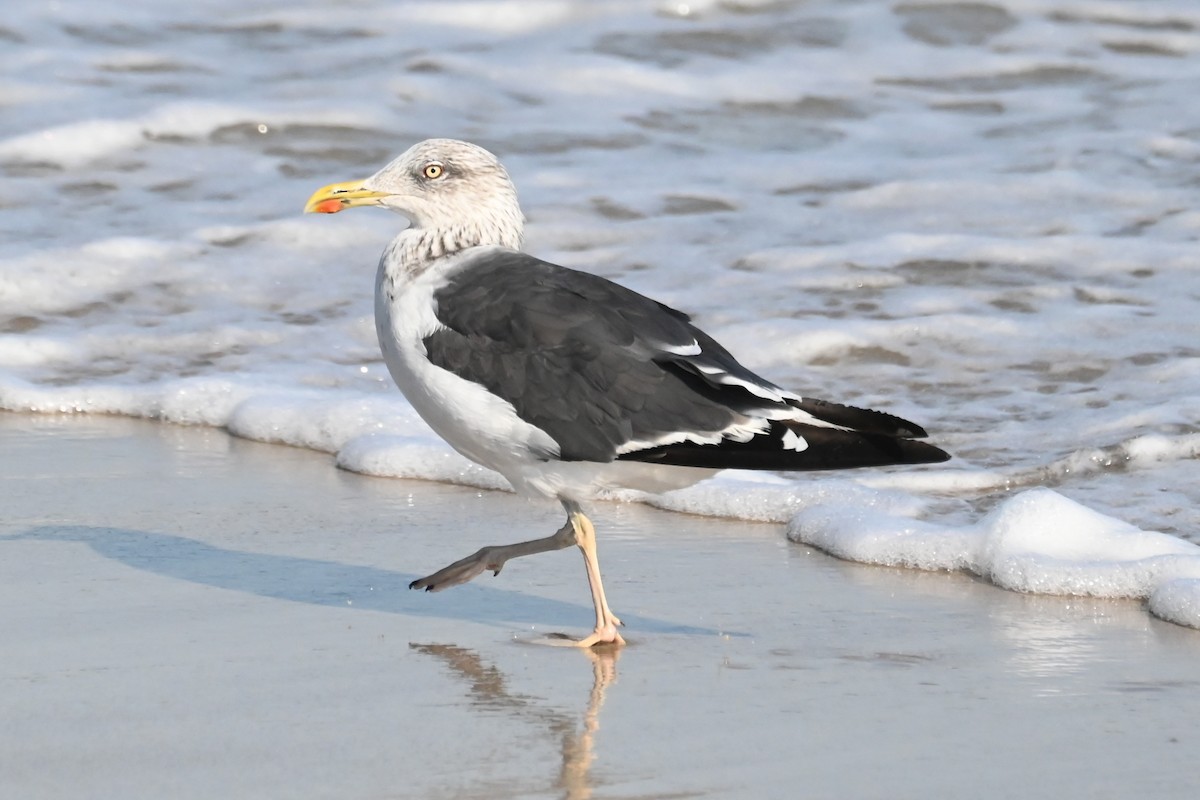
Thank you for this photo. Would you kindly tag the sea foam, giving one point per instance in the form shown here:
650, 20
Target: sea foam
1037, 541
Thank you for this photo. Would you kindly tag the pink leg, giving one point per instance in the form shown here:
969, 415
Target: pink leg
606, 621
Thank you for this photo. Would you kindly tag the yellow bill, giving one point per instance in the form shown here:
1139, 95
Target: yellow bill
336, 196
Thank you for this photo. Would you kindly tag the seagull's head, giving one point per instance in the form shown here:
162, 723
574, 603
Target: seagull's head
453, 190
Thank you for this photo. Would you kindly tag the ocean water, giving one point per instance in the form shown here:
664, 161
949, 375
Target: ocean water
982, 216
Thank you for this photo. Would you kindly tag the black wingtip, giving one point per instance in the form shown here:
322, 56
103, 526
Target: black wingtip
863, 420
922, 452
797, 447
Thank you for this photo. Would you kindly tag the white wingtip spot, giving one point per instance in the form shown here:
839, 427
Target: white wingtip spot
794, 441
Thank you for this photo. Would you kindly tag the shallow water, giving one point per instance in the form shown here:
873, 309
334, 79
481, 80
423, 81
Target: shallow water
980, 216
239, 626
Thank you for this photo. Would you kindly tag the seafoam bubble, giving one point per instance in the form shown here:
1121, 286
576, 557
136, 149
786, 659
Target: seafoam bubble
1177, 601
318, 420
417, 456
1037, 541
73, 144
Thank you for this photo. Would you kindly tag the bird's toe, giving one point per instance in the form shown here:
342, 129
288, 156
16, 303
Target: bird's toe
607, 635
460, 571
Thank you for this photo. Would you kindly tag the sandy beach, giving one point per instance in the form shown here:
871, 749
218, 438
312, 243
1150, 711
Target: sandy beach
188, 614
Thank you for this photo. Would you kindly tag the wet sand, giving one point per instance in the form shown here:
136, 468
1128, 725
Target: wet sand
186, 614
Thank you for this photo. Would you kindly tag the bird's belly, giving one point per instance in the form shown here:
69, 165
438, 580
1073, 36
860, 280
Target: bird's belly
473, 421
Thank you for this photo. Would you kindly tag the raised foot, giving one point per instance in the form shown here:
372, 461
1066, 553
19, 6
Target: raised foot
461, 571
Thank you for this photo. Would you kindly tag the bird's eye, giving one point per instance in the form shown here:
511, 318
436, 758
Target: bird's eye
433, 170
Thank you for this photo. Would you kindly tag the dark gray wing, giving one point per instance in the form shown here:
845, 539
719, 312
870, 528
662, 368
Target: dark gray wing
584, 359
596, 365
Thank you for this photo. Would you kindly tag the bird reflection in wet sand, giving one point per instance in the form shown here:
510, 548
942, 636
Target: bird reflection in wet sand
488, 691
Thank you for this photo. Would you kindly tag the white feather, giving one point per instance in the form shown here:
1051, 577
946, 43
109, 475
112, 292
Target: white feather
794, 441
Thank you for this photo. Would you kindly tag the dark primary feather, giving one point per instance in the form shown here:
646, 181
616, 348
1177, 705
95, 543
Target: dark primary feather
864, 420
828, 448
591, 363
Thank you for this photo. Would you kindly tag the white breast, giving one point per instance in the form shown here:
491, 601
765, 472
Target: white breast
475, 422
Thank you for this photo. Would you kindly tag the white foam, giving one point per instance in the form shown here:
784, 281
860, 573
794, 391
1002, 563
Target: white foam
193, 401
75, 144
1037, 541
1177, 601
419, 457
499, 18
318, 420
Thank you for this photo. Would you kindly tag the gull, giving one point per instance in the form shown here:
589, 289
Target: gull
567, 384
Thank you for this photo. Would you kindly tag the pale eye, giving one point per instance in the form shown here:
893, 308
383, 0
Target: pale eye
433, 170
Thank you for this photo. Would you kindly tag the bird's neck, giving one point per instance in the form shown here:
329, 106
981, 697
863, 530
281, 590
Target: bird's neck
417, 248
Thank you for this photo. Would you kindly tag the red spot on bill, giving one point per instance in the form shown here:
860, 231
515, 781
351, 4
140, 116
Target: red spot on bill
328, 206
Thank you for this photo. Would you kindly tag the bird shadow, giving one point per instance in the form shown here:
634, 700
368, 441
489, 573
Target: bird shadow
327, 583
